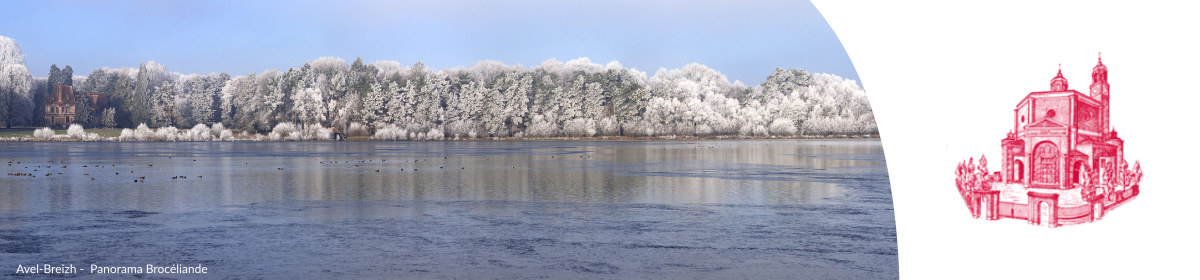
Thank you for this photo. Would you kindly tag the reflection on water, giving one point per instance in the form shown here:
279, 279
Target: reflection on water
761, 209
191, 176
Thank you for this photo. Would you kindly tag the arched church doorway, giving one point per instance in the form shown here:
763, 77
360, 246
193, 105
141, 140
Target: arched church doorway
1045, 163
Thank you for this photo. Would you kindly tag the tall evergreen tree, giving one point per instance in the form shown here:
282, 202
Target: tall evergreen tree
68, 76
123, 99
83, 110
139, 105
54, 79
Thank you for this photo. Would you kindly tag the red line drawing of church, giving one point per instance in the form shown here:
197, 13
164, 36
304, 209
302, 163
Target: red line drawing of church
1060, 165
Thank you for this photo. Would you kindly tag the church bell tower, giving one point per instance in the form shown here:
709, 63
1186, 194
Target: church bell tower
1100, 91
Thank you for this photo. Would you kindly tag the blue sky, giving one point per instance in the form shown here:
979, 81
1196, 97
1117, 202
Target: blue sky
745, 40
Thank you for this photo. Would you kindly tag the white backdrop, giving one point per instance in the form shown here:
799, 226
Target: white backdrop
943, 79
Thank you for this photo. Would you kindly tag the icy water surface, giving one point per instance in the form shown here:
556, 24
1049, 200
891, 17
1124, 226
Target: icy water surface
812, 209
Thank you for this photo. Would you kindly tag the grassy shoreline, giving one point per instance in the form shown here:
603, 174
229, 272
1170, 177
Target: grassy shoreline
28, 132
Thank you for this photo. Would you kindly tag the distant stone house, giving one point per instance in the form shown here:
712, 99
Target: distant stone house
60, 108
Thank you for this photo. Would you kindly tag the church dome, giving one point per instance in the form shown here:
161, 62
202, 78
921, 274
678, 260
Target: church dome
1059, 83
1100, 72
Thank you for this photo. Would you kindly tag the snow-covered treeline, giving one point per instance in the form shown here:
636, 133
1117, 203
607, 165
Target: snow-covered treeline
390, 100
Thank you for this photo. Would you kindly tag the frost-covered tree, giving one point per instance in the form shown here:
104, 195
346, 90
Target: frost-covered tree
836, 106
685, 99
108, 118
374, 108
16, 85
628, 91
387, 69
430, 113
340, 106
203, 96
781, 82
488, 71
594, 100
506, 107
10, 52
162, 105
278, 98
308, 106
248, 97
401, 103
240, 100
544, 104
465, 107
569, 103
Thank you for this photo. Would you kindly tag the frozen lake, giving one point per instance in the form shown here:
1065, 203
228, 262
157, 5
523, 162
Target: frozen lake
817, 209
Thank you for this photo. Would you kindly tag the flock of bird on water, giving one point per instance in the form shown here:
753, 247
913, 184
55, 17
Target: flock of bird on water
142, 179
